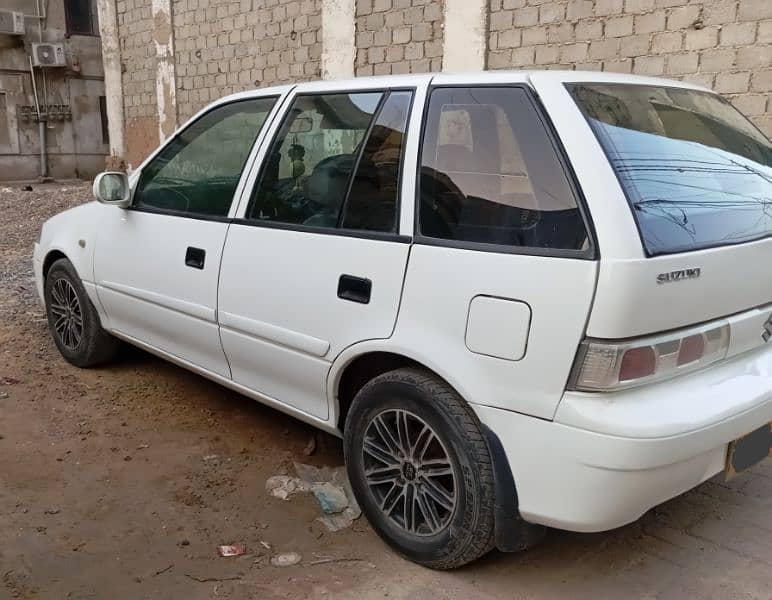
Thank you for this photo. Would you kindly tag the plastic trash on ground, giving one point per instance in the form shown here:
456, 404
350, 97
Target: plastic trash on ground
231, 550
330, 487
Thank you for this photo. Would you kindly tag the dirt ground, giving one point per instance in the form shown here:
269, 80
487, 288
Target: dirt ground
120, 482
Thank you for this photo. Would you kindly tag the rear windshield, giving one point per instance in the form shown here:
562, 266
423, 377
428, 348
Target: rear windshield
695, 171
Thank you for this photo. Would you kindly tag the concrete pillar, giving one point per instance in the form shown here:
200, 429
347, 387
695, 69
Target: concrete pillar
111, 60
165, 78
338, 39
466, 32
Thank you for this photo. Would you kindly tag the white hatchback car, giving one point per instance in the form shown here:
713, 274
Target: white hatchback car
523, 299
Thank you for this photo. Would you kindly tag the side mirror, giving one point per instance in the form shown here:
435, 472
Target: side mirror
112, 187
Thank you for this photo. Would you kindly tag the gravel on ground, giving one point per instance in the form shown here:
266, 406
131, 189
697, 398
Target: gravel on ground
121, 482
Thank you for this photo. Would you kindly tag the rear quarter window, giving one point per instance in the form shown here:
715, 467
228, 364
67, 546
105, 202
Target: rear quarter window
490, 173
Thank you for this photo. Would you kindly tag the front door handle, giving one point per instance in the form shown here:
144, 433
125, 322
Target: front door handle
195, 257
354, 289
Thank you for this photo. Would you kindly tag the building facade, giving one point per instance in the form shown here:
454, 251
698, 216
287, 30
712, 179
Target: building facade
66, 95
175, 56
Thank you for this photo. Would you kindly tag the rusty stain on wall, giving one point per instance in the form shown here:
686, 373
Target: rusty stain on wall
141, 139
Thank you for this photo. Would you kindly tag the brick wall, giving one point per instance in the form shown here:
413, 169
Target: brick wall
398, 36
135, 24
226, 46
223, 46
722, 44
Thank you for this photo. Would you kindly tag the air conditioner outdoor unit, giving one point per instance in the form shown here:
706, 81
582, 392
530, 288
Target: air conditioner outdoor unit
11, 22
48, 55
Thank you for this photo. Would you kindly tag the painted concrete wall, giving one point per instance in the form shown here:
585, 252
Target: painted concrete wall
223, 46
75, 146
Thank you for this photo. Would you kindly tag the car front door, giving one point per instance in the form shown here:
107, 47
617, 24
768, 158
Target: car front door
156, 263
315, 262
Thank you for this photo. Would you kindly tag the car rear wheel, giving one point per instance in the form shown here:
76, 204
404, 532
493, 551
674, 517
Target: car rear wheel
73, 320
420, 468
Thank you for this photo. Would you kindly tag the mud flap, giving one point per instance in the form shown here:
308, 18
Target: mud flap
512, 532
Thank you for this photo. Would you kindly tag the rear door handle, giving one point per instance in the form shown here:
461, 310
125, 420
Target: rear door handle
354, 289
195, 257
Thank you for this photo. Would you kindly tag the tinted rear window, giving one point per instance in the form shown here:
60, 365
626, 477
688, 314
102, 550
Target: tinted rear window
695, 171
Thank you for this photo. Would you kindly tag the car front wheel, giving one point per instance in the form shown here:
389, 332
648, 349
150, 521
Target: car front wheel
73, 320
420, 468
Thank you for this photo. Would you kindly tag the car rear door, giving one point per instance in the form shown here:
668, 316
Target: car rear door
502, 270
315, 261
156, 263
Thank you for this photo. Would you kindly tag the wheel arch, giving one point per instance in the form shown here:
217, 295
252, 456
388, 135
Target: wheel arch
51, 257
358, 364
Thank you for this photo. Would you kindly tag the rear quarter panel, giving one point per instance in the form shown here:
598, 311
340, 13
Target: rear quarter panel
431, 328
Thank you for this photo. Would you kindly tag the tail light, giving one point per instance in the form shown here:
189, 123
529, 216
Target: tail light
608, 365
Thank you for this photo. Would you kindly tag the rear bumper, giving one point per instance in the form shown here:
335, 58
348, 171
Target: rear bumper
573, 478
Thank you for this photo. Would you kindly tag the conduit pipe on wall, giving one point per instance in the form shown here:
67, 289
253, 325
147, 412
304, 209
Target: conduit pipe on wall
42, 117
41, 124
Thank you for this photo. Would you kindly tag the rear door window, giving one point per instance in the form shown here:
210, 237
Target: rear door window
490, 174
335, 163
695, 171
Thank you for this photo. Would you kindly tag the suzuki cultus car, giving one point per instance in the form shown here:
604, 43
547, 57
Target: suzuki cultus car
522, 299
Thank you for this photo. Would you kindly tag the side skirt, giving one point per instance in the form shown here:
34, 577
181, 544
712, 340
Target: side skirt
230, 384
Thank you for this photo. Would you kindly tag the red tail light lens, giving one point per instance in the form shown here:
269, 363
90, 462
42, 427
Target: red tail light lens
637, 363
609, 365
692, 349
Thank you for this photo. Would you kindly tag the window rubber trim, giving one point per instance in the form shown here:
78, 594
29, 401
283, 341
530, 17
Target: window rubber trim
592, 252
202, 216
381, 236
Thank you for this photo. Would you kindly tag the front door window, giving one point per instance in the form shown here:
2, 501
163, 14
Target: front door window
197, 173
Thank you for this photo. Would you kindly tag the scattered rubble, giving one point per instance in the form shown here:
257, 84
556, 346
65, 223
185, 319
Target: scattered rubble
330, 487
286, 559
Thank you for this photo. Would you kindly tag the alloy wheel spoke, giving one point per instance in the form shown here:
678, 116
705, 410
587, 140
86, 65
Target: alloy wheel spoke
438, 494
379, 453
58, 309
76, 334
402, 430
428, 510
382, 475
409, 507
60, 323
384, 431
390, 500
436, 467
422, 443
58, 294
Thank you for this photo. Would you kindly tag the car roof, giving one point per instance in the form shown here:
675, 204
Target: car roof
472, 78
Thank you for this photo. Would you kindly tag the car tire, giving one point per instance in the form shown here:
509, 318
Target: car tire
73, 320
389, 427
